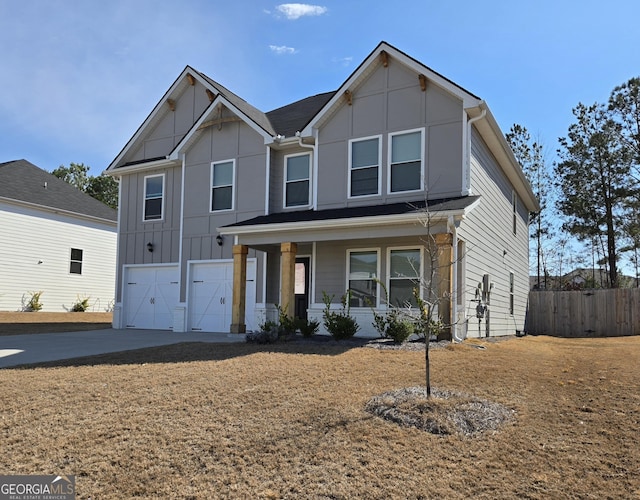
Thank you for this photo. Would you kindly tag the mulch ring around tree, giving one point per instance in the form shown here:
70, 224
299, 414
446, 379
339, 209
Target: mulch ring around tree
444, 413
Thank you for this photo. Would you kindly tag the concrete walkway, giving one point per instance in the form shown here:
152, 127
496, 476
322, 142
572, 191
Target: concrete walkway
36, 348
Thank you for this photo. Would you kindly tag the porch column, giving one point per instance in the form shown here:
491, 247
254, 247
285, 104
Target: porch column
444, 242
239, 289
288, 279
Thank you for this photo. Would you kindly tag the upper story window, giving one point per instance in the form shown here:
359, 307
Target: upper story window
75, 267
405, 161
222, 175
153, 197
364, 166
297, 185
362, 277
405, 269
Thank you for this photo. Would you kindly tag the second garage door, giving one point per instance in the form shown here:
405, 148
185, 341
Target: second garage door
211, 293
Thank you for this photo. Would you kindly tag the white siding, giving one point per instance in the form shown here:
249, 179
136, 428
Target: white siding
35, 251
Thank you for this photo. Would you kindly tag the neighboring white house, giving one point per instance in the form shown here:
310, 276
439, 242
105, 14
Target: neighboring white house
56, 240
227, 211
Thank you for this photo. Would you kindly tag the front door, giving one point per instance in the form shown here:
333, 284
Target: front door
303, 273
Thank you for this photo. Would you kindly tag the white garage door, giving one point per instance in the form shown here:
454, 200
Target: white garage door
150, 296
211, 295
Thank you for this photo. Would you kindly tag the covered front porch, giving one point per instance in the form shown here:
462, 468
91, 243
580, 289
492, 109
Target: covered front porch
380, 258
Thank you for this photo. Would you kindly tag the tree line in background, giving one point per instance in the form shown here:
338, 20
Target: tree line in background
591, 193
102, 187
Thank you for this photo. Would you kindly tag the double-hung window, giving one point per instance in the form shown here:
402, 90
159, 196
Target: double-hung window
405, 161
222, 175
363, 274
75, 266
364, 166
297, 185
153, 197
405, 269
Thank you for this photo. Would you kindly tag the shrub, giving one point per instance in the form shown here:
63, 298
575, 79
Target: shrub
81, 305
308, 328
268, 334
34, 304
339, 324
393, 326
288, 325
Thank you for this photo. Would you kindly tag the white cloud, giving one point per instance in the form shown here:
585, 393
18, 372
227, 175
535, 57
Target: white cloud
297, 10
282, 49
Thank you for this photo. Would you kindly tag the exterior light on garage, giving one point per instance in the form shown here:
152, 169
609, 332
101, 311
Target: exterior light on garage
219, 240
150, 246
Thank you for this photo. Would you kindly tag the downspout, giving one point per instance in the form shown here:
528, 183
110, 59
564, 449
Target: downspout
314, 191
454, 278
470, 122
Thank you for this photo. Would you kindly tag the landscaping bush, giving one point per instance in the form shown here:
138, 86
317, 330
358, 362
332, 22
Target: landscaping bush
34, 304
81, 305
308, 328
339, 324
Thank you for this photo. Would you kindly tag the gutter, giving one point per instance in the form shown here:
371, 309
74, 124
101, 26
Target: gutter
314, 205
470, 123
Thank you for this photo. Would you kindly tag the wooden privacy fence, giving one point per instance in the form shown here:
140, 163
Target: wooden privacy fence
586, 313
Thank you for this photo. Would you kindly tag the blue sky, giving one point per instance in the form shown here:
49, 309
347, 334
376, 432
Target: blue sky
77, 77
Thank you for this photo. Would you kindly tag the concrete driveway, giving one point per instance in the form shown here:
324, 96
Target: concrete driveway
36, 348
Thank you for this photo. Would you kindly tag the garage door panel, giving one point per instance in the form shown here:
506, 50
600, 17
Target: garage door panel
211, 295
151, 295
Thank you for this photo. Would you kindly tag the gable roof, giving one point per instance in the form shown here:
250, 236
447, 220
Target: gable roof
22, 181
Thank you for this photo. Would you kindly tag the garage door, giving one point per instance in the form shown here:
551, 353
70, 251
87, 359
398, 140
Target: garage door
211, 296
150, 297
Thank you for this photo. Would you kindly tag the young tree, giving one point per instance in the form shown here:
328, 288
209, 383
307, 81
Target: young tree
530, 155
594, 177
102, 187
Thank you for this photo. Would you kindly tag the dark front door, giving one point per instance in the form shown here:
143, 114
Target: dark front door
303, 265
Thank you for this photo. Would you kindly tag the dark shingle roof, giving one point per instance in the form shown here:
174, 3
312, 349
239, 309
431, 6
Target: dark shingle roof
23, 181
435, 207
293, 117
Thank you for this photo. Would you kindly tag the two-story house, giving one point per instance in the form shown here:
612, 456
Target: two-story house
397, 177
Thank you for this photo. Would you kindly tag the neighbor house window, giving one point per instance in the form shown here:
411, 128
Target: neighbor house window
364, 166
297, 168
75, 267
363, 274
511, 293
222, 174
404, 276
153, 196
405, 161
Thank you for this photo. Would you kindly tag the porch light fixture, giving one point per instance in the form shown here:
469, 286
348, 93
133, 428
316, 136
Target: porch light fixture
150, 246
219, 240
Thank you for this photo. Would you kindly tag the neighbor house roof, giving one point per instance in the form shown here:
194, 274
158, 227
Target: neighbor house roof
22, 181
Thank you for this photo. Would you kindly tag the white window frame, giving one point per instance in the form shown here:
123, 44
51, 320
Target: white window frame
144, 199
233, 185
420, 271
377, 277
76, 261
285, 182
389, 157
379, 166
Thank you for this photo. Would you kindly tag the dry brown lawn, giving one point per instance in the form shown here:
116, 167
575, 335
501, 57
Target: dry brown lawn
288, 421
